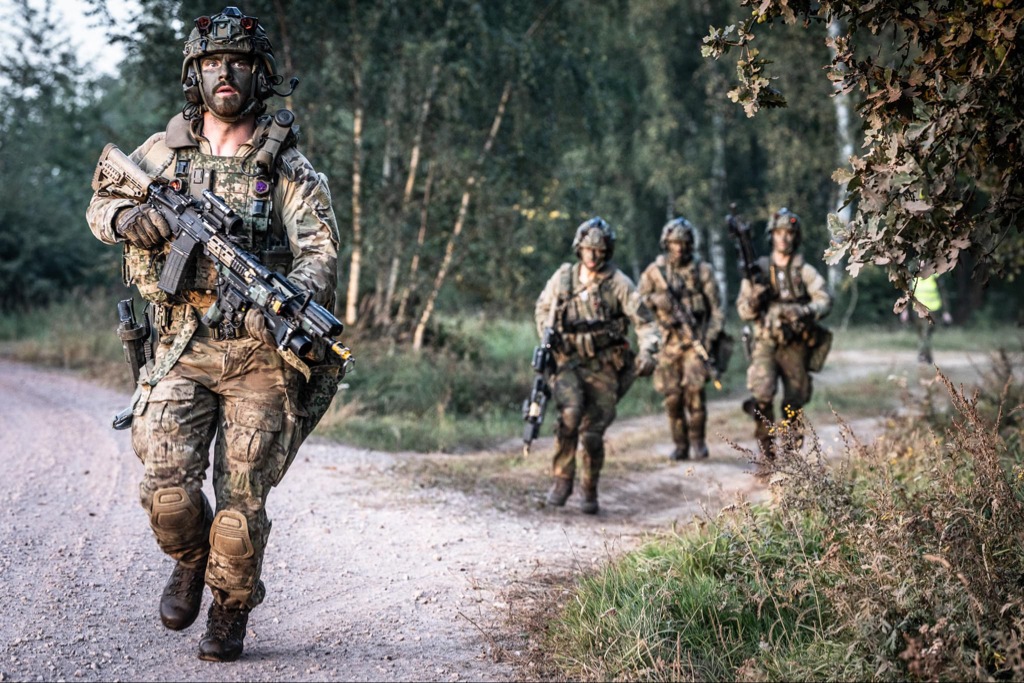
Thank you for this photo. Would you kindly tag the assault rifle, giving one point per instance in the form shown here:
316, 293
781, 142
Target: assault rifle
747, 258
684, 314
543, 363
739, 230
206, 226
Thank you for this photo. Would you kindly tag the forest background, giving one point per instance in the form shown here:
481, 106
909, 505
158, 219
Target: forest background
464, 143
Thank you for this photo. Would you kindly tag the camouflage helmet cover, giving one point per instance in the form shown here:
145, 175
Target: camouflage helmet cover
784, 218
595, 233
677, 229
230, 31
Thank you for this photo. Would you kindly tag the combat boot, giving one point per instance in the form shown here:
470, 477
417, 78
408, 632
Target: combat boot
680, 453
588, 505
561, 489
679, 436
700, 449
182, 596
225, 633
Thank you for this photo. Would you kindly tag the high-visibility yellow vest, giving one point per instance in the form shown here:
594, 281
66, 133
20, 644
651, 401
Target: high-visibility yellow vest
926, 290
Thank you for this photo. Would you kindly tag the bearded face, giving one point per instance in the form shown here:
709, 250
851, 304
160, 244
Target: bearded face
227, 83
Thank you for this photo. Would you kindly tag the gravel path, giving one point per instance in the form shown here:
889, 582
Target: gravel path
373, 572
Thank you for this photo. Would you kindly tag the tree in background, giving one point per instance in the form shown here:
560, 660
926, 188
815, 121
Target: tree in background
940, 170
610, 110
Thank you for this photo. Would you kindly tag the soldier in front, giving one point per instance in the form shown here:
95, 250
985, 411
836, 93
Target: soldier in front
228, 384
683, 294
590, 305
787, 341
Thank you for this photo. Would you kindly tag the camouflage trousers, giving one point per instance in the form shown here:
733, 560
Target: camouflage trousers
240, 396
680, 377
585, 393
770, 362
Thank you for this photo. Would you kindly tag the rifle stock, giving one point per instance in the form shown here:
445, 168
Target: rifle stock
749, 269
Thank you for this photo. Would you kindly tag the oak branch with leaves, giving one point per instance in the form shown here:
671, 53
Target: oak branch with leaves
941, 89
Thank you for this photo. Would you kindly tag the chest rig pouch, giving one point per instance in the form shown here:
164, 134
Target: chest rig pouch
250, 195
588, 322
246, 183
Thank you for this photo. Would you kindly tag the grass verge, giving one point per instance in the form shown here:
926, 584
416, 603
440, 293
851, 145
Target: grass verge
903, 561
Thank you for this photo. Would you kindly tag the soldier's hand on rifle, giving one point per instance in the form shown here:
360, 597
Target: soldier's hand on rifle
256, 326
794, 313
143, 226
645, 364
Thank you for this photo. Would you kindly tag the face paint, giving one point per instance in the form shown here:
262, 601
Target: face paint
227, 83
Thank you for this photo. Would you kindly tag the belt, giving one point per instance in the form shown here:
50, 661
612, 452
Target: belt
215, 333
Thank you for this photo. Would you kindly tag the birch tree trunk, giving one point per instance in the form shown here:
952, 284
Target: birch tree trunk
449, 251
716, 248
355, 265
410, 184
421, 237
843, 108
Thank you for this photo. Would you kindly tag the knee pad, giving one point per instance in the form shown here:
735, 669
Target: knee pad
229, 535
175, 509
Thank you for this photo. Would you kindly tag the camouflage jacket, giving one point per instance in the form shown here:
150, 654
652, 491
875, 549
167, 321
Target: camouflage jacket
665, 289
300, 212
594, 317
799, 297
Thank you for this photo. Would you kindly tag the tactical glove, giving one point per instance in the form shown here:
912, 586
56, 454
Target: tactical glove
143, 226
645, 364
256, 326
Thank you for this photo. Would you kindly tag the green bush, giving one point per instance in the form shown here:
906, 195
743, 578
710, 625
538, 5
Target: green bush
904, 561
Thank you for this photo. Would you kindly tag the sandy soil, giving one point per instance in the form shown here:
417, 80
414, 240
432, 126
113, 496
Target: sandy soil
380, 566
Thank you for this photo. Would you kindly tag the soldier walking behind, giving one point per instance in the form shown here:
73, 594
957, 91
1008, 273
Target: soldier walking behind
681, 291
228, 384
787, 341
590, 305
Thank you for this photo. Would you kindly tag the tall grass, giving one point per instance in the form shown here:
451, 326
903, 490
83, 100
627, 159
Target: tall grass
903, 561
77, 333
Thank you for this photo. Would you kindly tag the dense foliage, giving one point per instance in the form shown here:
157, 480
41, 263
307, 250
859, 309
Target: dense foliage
464, 141
940, 171
904, 563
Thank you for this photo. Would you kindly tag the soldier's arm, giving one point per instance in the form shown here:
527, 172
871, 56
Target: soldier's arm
308, 218
542, 309
746, 303
102, 212
648, 334
817, 289
716, 316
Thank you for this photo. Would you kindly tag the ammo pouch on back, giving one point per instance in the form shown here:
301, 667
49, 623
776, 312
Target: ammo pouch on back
819, 343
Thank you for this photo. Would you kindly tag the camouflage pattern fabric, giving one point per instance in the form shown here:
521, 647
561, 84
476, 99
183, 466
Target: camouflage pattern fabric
242, 397
681, 375
239, 395
780, 349
594, 367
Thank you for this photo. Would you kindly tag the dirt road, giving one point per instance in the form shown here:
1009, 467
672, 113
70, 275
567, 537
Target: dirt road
374, 571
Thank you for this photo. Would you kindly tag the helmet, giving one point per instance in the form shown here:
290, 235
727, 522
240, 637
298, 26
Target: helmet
784, 218
595, 233
229, 32
677, 229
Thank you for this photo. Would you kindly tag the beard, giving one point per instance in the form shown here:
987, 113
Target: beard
224, 105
